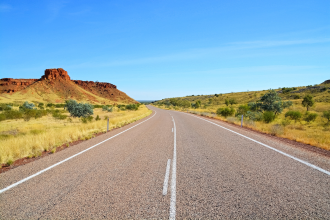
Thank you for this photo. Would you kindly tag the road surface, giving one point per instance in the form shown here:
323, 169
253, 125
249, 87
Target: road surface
171, 165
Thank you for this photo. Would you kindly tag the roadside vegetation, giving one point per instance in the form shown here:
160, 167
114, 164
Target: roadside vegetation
301, 114
29, 129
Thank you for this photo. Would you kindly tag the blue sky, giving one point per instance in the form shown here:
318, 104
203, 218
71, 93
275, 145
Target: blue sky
158, 49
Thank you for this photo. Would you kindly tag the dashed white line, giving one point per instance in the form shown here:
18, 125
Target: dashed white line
48, 168
274, 149
173, 180
167, 174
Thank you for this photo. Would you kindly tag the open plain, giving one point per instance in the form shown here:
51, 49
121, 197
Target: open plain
214, 173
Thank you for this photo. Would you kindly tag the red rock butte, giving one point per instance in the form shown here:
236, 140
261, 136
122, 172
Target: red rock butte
55, 74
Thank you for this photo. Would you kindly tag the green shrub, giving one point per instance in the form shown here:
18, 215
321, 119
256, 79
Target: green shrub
27, 105
296, 97
285, 122
310, 117
97, 118
268, 116
132, 107
13, 114
326, 115
57, 115
49, 105
84, 120
105, 108
89, 118
293, 115
79, 109
110, 109
242, 109
254, 116
225, 111
2, 117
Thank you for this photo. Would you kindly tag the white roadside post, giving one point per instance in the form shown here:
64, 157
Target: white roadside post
242, 121
108, 125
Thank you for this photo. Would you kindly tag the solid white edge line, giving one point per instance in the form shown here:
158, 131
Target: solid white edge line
167, 175
48, 168
274, 149
173, 180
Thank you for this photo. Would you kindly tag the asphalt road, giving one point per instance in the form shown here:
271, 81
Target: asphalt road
213, 173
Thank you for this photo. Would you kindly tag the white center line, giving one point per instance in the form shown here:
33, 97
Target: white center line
167, 174
172, 129
48, 168
274, 149
173, 180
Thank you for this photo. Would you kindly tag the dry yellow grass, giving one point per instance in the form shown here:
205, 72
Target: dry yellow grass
28, 139
315, 133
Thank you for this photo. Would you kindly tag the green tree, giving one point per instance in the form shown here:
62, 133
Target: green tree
308, 101
270, 102
227, 102
293, 115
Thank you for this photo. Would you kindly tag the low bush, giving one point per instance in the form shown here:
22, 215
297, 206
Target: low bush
97, 118
293, 115
57, 115
326, 115
254, 116
310, 117
268, 116
132, 107
225, 112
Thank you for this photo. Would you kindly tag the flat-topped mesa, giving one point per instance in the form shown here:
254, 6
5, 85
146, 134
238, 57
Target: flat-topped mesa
55, 74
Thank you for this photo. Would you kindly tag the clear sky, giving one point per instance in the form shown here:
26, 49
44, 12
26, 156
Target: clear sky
162, 48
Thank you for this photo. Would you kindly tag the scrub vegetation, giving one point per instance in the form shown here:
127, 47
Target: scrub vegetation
30, 128
298, 113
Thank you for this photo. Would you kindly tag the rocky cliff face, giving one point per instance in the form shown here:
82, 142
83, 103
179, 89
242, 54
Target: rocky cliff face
9, 85
91, 84
56, 74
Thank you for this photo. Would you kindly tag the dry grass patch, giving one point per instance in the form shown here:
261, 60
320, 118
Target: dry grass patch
46, 133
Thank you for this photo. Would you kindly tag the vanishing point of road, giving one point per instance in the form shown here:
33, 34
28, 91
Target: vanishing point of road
171, 165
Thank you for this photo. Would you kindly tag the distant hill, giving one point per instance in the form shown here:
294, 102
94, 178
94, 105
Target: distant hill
321, 93
55, 86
